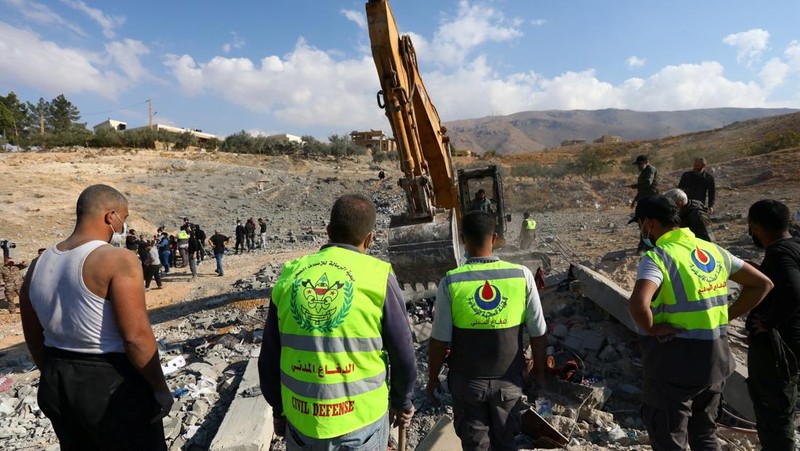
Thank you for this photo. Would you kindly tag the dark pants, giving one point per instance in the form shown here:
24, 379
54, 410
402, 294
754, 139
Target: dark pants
677, 417
485, 412
98, 402
239, 245
151, 272
772, 383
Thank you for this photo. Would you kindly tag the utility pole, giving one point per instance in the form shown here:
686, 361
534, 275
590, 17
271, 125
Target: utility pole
41, 121
150, 112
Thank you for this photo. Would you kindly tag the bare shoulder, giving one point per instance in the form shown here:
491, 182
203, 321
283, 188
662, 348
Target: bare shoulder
107, 262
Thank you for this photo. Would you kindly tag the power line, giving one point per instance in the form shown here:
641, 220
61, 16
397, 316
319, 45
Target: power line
116, 109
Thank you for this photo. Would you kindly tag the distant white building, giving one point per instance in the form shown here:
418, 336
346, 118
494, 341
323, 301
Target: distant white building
201, 136
286, 138
111, 124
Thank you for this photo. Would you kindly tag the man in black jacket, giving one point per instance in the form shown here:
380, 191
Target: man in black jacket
238, 246
774, 327
698, 184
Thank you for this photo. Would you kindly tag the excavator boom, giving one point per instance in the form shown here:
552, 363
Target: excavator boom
423, 242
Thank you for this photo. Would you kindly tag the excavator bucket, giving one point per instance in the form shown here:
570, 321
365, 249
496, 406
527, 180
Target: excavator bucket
424, 252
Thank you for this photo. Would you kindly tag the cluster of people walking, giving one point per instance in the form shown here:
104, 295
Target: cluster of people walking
162, 252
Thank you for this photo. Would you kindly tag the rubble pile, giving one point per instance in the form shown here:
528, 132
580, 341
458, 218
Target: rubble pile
203, 356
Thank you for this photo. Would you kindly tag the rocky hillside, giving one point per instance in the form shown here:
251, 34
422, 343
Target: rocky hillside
532, 131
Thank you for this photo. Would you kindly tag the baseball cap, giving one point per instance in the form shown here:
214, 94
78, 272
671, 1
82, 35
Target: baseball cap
655, 207
640, 159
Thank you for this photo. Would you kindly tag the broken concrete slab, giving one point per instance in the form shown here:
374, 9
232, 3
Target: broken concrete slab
536, 427
607, 294
736, 394
248, 424
442, 436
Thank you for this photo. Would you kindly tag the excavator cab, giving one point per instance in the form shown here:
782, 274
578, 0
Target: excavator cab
488, 180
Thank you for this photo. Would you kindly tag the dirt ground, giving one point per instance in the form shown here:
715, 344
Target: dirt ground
580, 220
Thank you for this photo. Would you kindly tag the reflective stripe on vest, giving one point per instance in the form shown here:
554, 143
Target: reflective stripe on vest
530, 224
480, 294
330, 309
694, 292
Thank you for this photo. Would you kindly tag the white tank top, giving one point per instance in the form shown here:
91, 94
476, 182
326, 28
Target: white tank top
73, 318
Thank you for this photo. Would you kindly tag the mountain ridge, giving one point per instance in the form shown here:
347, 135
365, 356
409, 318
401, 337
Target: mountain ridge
534, 131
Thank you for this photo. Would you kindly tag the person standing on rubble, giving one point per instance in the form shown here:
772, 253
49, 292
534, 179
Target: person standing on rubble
646, 186
218, 242
774, 327
528, 231
332, 316
481, 310
647, 183
85, 323
699, 185
680, 304
693, 214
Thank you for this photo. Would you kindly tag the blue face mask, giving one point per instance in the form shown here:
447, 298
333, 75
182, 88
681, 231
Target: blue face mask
646, 239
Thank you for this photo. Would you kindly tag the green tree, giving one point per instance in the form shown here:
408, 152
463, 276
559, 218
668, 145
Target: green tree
12, 118
62, 116
185, 140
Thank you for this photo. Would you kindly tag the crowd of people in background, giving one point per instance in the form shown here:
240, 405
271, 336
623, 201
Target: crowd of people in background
162, 252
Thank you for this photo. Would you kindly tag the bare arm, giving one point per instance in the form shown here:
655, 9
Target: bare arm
31, 327
436, 353
539, 351
755, 286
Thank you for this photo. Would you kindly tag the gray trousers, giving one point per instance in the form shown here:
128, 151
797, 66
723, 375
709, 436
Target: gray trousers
681, 417
372, 437
485, 412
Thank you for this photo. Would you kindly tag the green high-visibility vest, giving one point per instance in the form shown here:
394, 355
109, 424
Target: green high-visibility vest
530, 224
330, 309
183, 235
694, 293
488, 303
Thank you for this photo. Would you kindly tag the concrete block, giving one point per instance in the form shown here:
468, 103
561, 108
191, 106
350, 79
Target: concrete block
442, 436
421, 331
607, 294
593, 342
248, 424
561, 331
736, 394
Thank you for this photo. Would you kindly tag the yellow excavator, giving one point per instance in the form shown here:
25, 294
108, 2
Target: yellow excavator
424, 241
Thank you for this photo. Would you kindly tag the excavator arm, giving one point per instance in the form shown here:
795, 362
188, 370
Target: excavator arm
423, 242
423, 145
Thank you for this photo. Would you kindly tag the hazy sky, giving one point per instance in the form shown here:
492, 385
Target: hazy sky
305, 68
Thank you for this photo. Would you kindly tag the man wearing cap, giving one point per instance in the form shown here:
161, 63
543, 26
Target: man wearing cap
680, 305
647, 184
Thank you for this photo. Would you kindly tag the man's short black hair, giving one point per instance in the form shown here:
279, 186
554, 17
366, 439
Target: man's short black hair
98, 197
770, 214
477, 226
352, 218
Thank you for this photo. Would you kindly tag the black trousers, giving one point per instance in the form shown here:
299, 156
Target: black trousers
485, 412
152, 271
678, 417
772, 383
98, 402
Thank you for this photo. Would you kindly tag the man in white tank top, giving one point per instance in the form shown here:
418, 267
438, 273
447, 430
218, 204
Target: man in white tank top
85, 323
